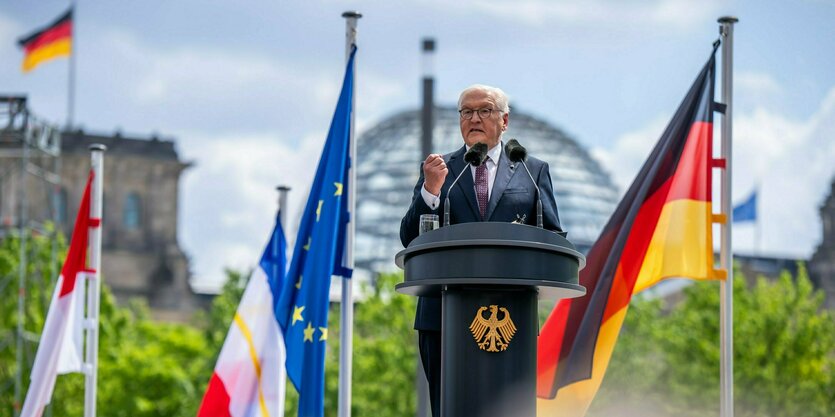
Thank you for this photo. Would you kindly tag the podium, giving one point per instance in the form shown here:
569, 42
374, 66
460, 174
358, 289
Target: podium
489, 277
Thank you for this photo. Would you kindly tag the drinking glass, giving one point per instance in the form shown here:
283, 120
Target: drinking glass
428, 223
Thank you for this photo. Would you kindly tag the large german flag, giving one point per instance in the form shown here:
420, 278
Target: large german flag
47, 43
661, 229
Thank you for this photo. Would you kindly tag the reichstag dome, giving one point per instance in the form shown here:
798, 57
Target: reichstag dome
389, 159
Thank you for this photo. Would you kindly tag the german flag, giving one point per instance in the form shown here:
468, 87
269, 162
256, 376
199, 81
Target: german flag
662, 228
48, 43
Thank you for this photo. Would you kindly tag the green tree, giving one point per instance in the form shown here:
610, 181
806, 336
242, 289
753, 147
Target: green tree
155, 369
218, 319
41, 275
667, 361
145, 368
384, 354
385, 351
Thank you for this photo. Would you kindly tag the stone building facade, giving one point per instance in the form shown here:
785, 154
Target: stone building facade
141, 255
822, 264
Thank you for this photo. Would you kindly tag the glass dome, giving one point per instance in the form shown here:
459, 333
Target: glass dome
389, 159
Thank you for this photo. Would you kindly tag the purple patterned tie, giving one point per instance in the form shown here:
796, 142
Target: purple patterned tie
481, 188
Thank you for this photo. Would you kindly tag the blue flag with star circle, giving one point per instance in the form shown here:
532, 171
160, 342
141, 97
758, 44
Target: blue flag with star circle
302, 307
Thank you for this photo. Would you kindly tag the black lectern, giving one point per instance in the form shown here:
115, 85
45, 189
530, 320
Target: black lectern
489, 276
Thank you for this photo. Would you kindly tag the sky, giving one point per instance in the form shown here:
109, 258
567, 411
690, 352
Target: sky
247, 90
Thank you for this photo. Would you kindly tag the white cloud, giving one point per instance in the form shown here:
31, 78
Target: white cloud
229, 198
9, 30
376, 95
188, 72
666, 13
755, 83
670, 13
791, 160
202, 77
212, 89
763, 137
758, 90
630, 150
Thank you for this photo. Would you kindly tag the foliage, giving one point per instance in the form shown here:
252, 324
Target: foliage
160, 367
146, 368
666, 361
784, 353
384, 354
785, 348
218, 319
142, 364
41, 275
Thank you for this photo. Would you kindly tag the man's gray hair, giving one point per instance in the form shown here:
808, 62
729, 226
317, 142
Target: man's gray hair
502, 101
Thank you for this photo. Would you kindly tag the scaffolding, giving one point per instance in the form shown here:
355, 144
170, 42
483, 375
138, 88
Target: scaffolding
30, 198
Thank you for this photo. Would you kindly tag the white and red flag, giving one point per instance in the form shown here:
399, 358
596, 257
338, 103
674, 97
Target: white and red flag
249, 377
60, 348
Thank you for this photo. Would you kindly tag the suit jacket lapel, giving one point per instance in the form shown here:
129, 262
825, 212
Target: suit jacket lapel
465, 184
504, 172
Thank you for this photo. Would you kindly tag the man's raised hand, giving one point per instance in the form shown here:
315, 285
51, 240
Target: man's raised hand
434, 173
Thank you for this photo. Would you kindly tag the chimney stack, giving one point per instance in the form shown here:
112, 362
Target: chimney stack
427, 121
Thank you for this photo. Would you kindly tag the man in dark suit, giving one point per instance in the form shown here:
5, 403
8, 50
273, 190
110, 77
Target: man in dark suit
496, 191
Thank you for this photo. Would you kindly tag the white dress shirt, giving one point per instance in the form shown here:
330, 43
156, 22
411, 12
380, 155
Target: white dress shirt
492, 163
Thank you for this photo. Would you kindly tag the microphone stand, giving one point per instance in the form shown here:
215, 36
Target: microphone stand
475, 156
538, 196
518, 153
449, 191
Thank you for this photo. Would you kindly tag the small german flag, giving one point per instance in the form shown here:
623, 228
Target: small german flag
48, 43
662, 228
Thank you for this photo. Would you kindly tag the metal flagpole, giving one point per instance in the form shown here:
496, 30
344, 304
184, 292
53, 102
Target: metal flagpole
427, 124
23, 224
757, 230
71, 76
282, 203
726, 294
346, 324
94, 281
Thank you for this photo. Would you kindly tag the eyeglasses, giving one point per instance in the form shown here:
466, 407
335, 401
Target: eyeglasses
467, 114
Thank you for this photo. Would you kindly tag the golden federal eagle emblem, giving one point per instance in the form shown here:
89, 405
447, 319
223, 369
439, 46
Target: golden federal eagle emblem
492, 334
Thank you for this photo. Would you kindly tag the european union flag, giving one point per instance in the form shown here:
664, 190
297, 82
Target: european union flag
303, 305
747, 211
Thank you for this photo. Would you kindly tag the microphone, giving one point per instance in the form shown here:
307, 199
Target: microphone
517, 153
475, 157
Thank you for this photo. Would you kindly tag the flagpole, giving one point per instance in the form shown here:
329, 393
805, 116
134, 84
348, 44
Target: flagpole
347, 305
282, 203
71, 76
23, 223
757, 230
726, 296
94, 281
